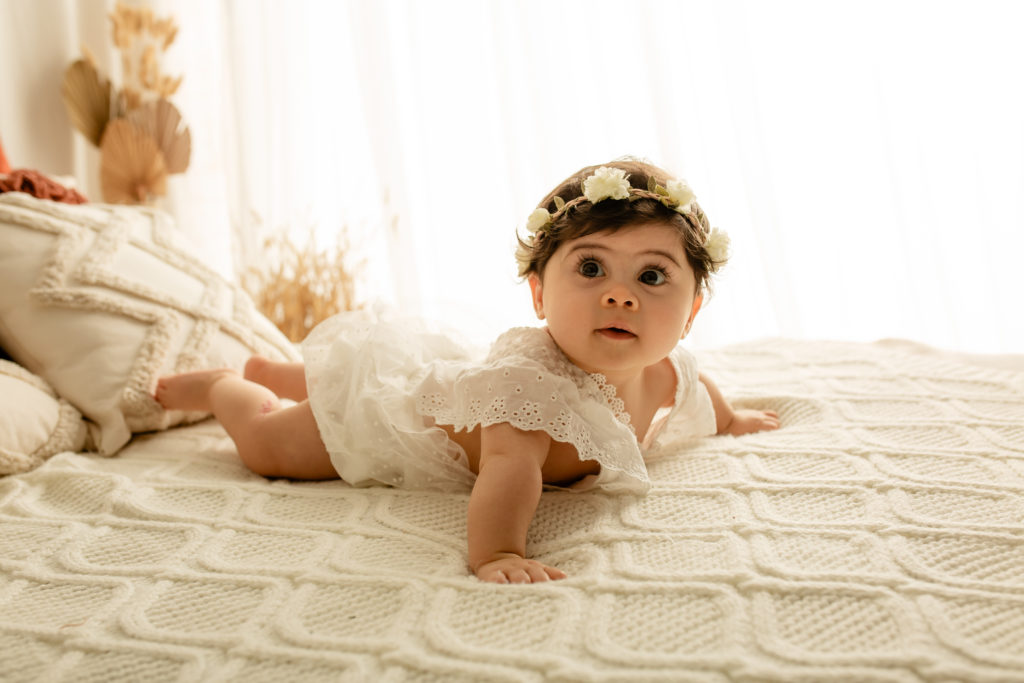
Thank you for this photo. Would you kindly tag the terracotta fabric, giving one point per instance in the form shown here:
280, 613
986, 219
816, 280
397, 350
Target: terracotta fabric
38, 185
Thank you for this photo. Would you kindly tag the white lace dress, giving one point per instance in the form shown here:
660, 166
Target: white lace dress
378, 385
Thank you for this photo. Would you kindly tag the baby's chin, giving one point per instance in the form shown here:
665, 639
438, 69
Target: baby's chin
610, 354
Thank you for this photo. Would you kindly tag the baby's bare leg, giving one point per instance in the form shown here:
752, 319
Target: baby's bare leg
272, 441
287, 380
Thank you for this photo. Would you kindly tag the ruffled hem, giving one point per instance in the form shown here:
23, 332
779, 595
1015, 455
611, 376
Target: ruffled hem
379, 386
360, 370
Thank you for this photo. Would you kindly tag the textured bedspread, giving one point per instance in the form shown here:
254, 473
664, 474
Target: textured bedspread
878, 536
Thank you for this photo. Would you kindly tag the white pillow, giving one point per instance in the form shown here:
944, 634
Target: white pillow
102, 300
34, 423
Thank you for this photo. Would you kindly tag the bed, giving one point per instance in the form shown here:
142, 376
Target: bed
877, 536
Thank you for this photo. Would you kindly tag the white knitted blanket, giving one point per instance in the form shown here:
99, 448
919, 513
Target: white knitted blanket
878, 536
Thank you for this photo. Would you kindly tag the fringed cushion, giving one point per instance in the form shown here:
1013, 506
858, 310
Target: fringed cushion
102, 300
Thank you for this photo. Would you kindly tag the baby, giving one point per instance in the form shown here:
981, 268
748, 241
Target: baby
618, 259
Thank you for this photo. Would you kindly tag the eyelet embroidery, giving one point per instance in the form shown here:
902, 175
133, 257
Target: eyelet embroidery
500, 391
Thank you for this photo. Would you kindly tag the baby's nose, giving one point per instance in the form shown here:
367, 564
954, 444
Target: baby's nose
620, 296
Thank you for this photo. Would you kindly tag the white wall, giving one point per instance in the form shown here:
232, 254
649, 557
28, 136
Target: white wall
38, 40
866, 157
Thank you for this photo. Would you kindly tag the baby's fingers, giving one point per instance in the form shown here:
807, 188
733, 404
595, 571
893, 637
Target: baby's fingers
534, 572
554, 574
495, 577
518, 576
518, 570
541, 572
763, 419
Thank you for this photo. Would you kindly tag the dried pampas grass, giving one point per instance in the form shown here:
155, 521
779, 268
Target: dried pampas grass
303, 284
142, 39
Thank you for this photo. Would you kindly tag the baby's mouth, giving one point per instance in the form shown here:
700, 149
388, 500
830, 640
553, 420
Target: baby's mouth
612, 332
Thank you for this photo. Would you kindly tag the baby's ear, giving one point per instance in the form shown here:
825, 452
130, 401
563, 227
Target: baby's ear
536, 291
697, 301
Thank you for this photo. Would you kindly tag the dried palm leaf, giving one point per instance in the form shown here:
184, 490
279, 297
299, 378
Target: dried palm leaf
162, 121
87, 98
132, 168
88, 55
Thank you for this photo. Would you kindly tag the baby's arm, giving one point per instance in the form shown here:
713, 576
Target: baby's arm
503, 503
728, 420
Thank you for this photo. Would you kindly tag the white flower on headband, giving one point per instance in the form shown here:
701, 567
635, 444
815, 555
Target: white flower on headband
717, 247
606, 183
680, 194
537, 220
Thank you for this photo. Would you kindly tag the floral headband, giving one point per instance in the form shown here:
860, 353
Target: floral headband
613, 183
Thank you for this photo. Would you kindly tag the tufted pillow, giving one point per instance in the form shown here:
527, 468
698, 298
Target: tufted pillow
34, 423
101, 300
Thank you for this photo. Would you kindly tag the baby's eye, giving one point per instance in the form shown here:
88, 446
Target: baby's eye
652, 276
591, 268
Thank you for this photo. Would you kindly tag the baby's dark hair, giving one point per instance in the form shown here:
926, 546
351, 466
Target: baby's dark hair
574, 219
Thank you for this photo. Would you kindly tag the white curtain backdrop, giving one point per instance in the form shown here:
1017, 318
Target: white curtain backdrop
867, 158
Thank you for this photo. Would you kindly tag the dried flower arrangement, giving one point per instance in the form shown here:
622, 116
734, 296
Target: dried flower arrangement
302, 283
140, 134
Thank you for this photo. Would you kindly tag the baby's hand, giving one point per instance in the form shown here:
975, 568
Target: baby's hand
515, 569
746, 421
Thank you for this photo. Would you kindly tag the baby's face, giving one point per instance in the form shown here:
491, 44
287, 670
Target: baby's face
617, 302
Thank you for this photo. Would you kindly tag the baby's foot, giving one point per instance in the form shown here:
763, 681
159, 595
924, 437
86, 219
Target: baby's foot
287, 380
189, 390
256, 369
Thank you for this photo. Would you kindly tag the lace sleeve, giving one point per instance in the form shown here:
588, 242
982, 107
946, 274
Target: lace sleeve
526, 381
